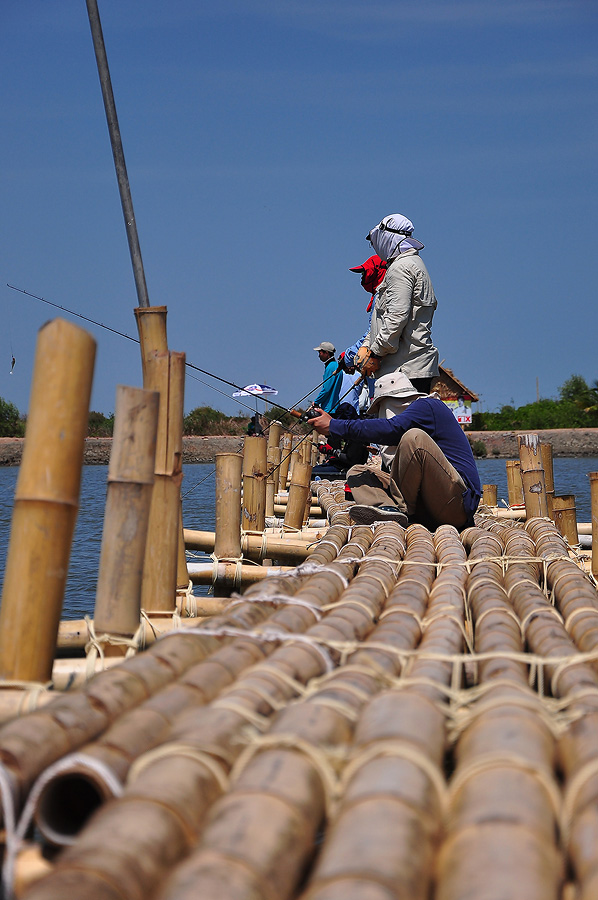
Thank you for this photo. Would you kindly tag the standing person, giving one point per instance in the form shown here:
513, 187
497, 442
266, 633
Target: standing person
433, 478
330, 391
400, 336
372, 273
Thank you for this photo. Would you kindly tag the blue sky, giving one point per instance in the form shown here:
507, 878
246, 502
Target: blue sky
263, 139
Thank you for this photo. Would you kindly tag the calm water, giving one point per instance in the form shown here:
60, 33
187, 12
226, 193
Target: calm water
570, 477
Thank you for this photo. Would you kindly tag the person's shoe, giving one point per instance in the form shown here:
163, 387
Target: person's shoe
367, 515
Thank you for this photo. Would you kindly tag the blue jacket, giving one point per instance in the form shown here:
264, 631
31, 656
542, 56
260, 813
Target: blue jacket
330, 391
437, 420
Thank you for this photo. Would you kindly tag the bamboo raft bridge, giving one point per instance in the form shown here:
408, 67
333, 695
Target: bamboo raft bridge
357, 712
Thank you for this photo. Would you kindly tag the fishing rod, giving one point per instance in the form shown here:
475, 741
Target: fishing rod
293, 412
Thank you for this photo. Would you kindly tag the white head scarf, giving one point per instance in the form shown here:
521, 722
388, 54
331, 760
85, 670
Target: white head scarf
387, 242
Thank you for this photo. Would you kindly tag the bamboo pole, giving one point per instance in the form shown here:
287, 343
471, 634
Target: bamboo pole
285, 460
255, 467
227, 539
565, 517
489, 495
231, 575
166, 374
532, 476
299, 494
593, 476
151, 326
514, 483
546, 451
130, 482
272, 478
253, 546
274, 433
46, 501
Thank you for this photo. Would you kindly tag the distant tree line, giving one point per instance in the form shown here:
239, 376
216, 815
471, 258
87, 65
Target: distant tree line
576, 407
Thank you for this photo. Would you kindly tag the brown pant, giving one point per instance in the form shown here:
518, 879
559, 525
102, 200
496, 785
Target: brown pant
422, 483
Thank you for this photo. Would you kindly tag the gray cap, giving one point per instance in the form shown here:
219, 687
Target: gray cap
326, 345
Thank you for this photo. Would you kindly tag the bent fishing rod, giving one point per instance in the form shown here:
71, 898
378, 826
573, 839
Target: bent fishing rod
292, 412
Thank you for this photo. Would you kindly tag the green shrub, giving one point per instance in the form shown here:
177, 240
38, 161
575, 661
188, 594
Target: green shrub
12, 424
478, 448
204, 420
100, 425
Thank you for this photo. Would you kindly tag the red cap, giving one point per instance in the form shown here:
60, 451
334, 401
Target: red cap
372, 272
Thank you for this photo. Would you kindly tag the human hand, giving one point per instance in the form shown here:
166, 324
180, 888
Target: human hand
369, 363
321, 422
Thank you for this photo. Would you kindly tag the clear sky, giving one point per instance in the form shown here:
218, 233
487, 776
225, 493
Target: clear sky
263, 139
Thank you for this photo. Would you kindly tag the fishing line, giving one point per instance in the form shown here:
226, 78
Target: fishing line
136, 341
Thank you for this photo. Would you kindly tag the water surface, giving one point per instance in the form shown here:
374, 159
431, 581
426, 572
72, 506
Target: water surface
198, 512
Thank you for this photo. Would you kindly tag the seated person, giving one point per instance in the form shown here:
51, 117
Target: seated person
433, 478
345, 453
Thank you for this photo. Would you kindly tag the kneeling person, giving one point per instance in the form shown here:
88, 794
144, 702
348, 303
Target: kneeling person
433, 477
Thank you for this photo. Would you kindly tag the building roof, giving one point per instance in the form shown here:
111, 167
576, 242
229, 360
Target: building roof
449, 387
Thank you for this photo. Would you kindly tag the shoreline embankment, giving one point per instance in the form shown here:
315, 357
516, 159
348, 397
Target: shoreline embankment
571, 442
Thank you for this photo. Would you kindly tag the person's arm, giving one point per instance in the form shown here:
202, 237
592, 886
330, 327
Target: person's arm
385, 431
400, 283
326, 391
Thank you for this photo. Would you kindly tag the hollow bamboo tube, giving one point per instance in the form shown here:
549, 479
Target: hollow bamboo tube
230, 574
252, 545
565, 517
532, 476
166, 374
160, 782
546, 451
272, 479
151, 326
285, 460
299, 494
489, 495
274, 433
227, 542
46, 501
593, 476
514, 484
130, 482
255, 467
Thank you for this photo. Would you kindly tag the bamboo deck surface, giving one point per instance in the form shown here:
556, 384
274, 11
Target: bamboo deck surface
405, 715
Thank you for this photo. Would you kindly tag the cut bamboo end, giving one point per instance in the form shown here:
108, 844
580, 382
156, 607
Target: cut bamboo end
593, 476
227, 540
532, 476
130, 483
46, 501
489, 495
255, 467
565, 517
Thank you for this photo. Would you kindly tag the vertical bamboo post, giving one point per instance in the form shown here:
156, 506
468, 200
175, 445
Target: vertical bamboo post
274, 433
285, 460
306, 449
166, 374
314, 447
151, 326
593, 476
255, 465
46, 501
565, 517
272, 479
532, 476
546, 451
299, 494
227, 543
514, 484
489, 495
130, 483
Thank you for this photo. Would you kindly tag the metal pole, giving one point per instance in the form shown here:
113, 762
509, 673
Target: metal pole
117, 152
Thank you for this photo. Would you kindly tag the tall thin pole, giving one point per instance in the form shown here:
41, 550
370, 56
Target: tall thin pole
118, 152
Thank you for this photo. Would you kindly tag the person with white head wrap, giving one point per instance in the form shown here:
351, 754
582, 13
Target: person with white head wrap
400, 336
